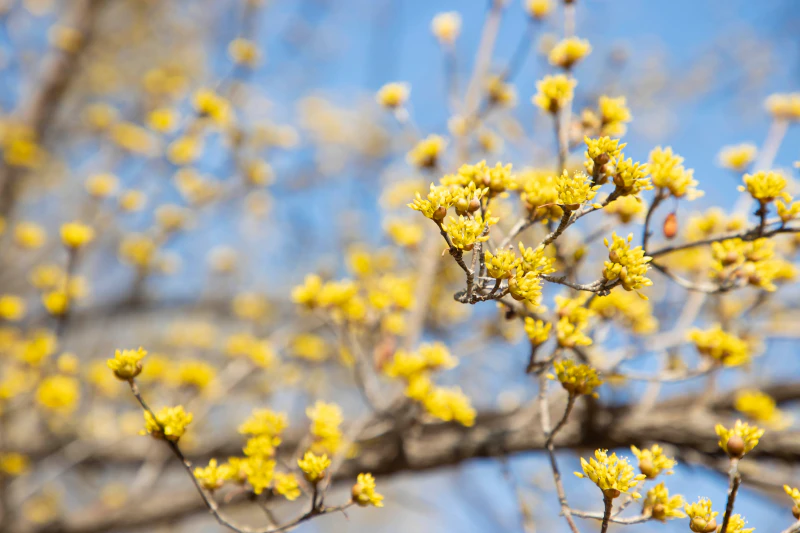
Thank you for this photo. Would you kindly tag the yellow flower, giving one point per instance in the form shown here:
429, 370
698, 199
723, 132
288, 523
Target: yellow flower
393, 95
526, 286
722, 347
314, 466
436, 204
738, 440
534, 260
614, 476
207, 103
628, 265
12, 308
574, 191
652, 461
788, 212
326, 419
197, 374
576, 379
500, 93
573, 320
626, 208
169, 423
309, 346
569, 51
264, 422
446, 27
426, 153
76, 235
554, 92
614, 115
133, 138
629, 309
163, 120
538, 331
244, 52
286, 485
449, 404
13, 464
736, 525
102, 185
127, 364
363, 492
793, 493
669, 174
261, 446
703, 519
465, 232
59, 394
56, 302
539, 9
766, 186
260, 472
212, 476
29, 235
630, 178
737, 157
661, 506
785, 106
760, 407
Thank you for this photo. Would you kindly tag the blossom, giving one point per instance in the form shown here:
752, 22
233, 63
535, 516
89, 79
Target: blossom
363, 492
652, 461
213, 476
500, 265
721, 346
260, 472
554, 92
737, 157
614, 115
574, 190
760, 407
265, 422
393, 95
539, 9
436, 204
449, 404
626, 208
501, 93
169, 423
59, 394
599, 152
537, 330
314, 466
702, 518
630, 178
127, 364
613, 475
446, 27
12, 308
325, 421
526, 286
286, 485
568, 52
466, 231
628, 265
793, 493
29, 235
784, 106
668, 174
426, 153
736, 525
765, 186
739, 439
661, 505
576, 378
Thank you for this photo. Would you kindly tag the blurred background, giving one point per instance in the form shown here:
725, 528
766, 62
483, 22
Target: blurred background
211, 218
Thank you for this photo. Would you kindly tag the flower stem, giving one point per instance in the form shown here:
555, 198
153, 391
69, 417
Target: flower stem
608, 502
735, 481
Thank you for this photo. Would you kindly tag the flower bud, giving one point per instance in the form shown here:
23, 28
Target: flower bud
698, 524
462, 205
647, 468
474, 205
611, 493
440, 213
658, 512
711, 527
796, 512
735, 446
602, 159
613, 256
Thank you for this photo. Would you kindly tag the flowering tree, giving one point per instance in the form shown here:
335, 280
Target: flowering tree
227, 391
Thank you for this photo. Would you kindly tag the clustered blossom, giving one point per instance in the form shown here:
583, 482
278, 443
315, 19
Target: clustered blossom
669, 174
652, 461
765, 186
702, 517
760, 407
314, 466
538, 331
169, 423
573, 321
614, 115
599, 153
627, 264
426, 152
753, 262
613, 475
466, 232
722, 347
363, 492
393, 95
738, 440
554, 92
737, 157
630, 178
568, 52
661, 506
574, 190
127, 364
576, 378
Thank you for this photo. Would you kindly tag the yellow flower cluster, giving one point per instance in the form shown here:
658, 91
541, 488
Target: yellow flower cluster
426, 153
739, 439
760, 407
669, 174
630, 178
363, 492
702, 518
766, 186
314, 466
538, 331
265, 422
628, 265
526, 286
629, 309
652, 461
169, 423
538, 9
573, 321
568, 52
574, 190
75, 235
58, 393
614, 115
127, 364
449, 404
502, 264
576, 378
446, 27
393, 95
326, 419
753, 261
626, 208
613, 475
722, 347
599, 152
794, 494
540, 194
737, 157
554, 92
736, 525
213, 476
466, 231
661, 505
784, 106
